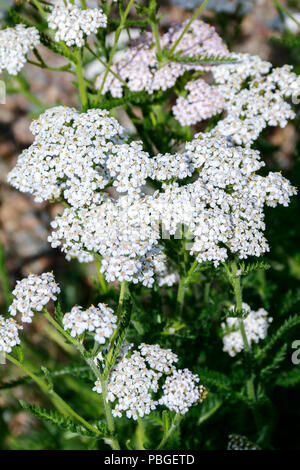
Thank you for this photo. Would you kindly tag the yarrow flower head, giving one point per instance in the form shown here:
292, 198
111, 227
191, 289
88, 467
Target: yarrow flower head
181, 391
15, 43
237, 442
9, 334
100, 320
254, 97
68, 157
134, 383
140, 69
33, 294
77, 157
73, 24
256, 326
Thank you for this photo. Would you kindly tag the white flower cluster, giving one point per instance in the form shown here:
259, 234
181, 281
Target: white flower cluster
100, 319
141, 70
72, 24
134, 381
181, 391
68, 157
202, 102
32, 294
122, 232
15, 43
254, 97
78, 157
256, 326
9, 334
237, 442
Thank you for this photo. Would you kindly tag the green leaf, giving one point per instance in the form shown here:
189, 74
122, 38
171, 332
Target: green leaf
209, 407
61, 421
209, 60
275, 364
289, 378
287, 325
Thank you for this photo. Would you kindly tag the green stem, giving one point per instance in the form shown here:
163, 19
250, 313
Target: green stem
103, 63
239, 307
25, 90
107, 408
81, 83
157, 40
141, 434
286, 12
167, 435
121, 299
184, 281
63, 332
114, 335
101, 279
206, 292
117, 35
43, 65
180, 297
196, 14
110, 421
57, 400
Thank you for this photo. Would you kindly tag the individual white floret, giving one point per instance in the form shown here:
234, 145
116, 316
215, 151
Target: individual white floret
72, 24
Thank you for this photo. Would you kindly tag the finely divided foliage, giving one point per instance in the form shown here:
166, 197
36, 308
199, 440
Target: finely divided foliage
153, 208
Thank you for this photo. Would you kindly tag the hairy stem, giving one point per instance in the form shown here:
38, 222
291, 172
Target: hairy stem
168, 434
90, 362
81, 82
196, 14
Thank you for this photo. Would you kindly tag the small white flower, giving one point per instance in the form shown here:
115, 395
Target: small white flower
32, 294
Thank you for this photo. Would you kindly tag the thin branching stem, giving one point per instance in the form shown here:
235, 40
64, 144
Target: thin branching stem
117, 35
194, 17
